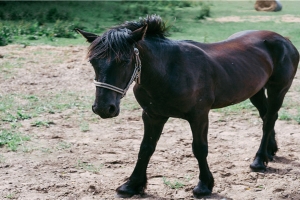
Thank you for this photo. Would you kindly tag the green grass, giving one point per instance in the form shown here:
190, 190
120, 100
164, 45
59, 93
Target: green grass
173, 185
245, 106
98, 16
41, 123
16, 107
88, 167
39, 23
63, 145
12, 139
84, 126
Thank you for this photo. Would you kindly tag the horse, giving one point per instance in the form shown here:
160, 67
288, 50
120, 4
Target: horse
186, 79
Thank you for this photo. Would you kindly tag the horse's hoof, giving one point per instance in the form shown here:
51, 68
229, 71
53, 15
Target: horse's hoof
125, 191
270, 157
201, 190
258, 165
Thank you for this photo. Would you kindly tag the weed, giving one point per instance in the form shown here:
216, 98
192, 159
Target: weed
284, 115
174, 185
88, 167
2, 159
12, 139
204, 12
46, 150
39, 123
237, 108
10, 196
84, 126
63, 145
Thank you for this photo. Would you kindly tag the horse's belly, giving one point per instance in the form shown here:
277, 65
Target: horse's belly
237, 93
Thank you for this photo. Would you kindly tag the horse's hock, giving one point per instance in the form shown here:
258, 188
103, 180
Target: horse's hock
268, 5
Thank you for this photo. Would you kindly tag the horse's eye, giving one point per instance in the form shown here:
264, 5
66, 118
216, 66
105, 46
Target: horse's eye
125, 62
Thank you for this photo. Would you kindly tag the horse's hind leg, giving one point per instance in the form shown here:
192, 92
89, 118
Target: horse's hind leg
259, 100
276, 95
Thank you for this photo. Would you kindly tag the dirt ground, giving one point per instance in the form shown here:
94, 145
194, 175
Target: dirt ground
64, 162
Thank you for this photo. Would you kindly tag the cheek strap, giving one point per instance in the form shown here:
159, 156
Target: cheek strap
136, 76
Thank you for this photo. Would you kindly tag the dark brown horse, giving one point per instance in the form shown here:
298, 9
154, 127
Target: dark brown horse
186, 79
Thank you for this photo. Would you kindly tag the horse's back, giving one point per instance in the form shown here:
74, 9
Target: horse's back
248, 61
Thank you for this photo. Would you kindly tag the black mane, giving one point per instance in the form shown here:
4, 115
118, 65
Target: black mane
116, 40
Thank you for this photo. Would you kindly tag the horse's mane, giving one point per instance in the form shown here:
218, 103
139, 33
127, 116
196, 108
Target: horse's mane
116, 38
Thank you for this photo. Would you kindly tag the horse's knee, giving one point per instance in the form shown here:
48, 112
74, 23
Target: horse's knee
200, 150
146, 150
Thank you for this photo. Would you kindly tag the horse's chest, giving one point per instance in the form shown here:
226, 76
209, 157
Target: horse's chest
163, 107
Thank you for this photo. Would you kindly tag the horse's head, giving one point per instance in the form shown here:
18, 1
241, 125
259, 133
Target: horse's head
115, 62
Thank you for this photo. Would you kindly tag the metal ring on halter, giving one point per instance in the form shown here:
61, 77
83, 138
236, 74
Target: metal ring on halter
136, 76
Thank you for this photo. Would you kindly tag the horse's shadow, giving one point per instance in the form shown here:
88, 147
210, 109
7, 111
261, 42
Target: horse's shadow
283, 160
151, 196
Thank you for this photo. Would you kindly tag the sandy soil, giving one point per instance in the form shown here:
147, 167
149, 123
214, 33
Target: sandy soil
283, 18
62, 162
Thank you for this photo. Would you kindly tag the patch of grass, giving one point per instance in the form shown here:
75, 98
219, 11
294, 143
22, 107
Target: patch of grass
12, 139
16, 107
11, 196
2, 159
84, 126
39, 123
46, 150
129, 103
63, 145
285, 115
237, 108
173, 185
88, 167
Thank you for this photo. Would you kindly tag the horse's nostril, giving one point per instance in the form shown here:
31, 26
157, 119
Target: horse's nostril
112, 109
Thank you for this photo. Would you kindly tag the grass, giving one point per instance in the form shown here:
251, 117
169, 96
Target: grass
39, 23
40, 123
173, 185
17, 107
88, 167
245, 106
84, 126
63, 145
185, 16
12, 139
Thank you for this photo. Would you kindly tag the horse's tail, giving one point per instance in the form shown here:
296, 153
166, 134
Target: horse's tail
281, 48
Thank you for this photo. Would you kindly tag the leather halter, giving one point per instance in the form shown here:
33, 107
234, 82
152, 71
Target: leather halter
136, 76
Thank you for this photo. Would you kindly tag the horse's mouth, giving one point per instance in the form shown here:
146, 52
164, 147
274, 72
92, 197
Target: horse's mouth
108, 114
104, 116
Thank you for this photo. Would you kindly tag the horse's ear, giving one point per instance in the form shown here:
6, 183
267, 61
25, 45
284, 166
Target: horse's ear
139, 34
90, 37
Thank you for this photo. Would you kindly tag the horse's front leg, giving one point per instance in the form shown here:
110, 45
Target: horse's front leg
136, 183
199, 126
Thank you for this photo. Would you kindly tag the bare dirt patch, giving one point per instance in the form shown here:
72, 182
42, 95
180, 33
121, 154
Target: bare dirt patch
263, 18
64, 161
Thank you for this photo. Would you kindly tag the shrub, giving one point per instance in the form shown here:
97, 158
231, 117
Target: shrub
5, 35
204, 12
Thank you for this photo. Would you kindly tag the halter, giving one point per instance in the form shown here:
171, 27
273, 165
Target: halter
136, 76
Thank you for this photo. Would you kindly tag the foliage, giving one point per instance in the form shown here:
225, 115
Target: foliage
12, 139
88, 167
5, 35
35, 20
204, 12
174, 185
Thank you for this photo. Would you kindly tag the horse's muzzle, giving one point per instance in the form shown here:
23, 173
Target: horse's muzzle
106, 112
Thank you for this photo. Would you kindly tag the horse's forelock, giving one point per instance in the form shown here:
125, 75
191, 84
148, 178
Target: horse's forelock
115, 40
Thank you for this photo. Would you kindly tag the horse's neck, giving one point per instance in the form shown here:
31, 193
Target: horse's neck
153, 61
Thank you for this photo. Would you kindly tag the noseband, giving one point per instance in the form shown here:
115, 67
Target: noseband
136, 76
